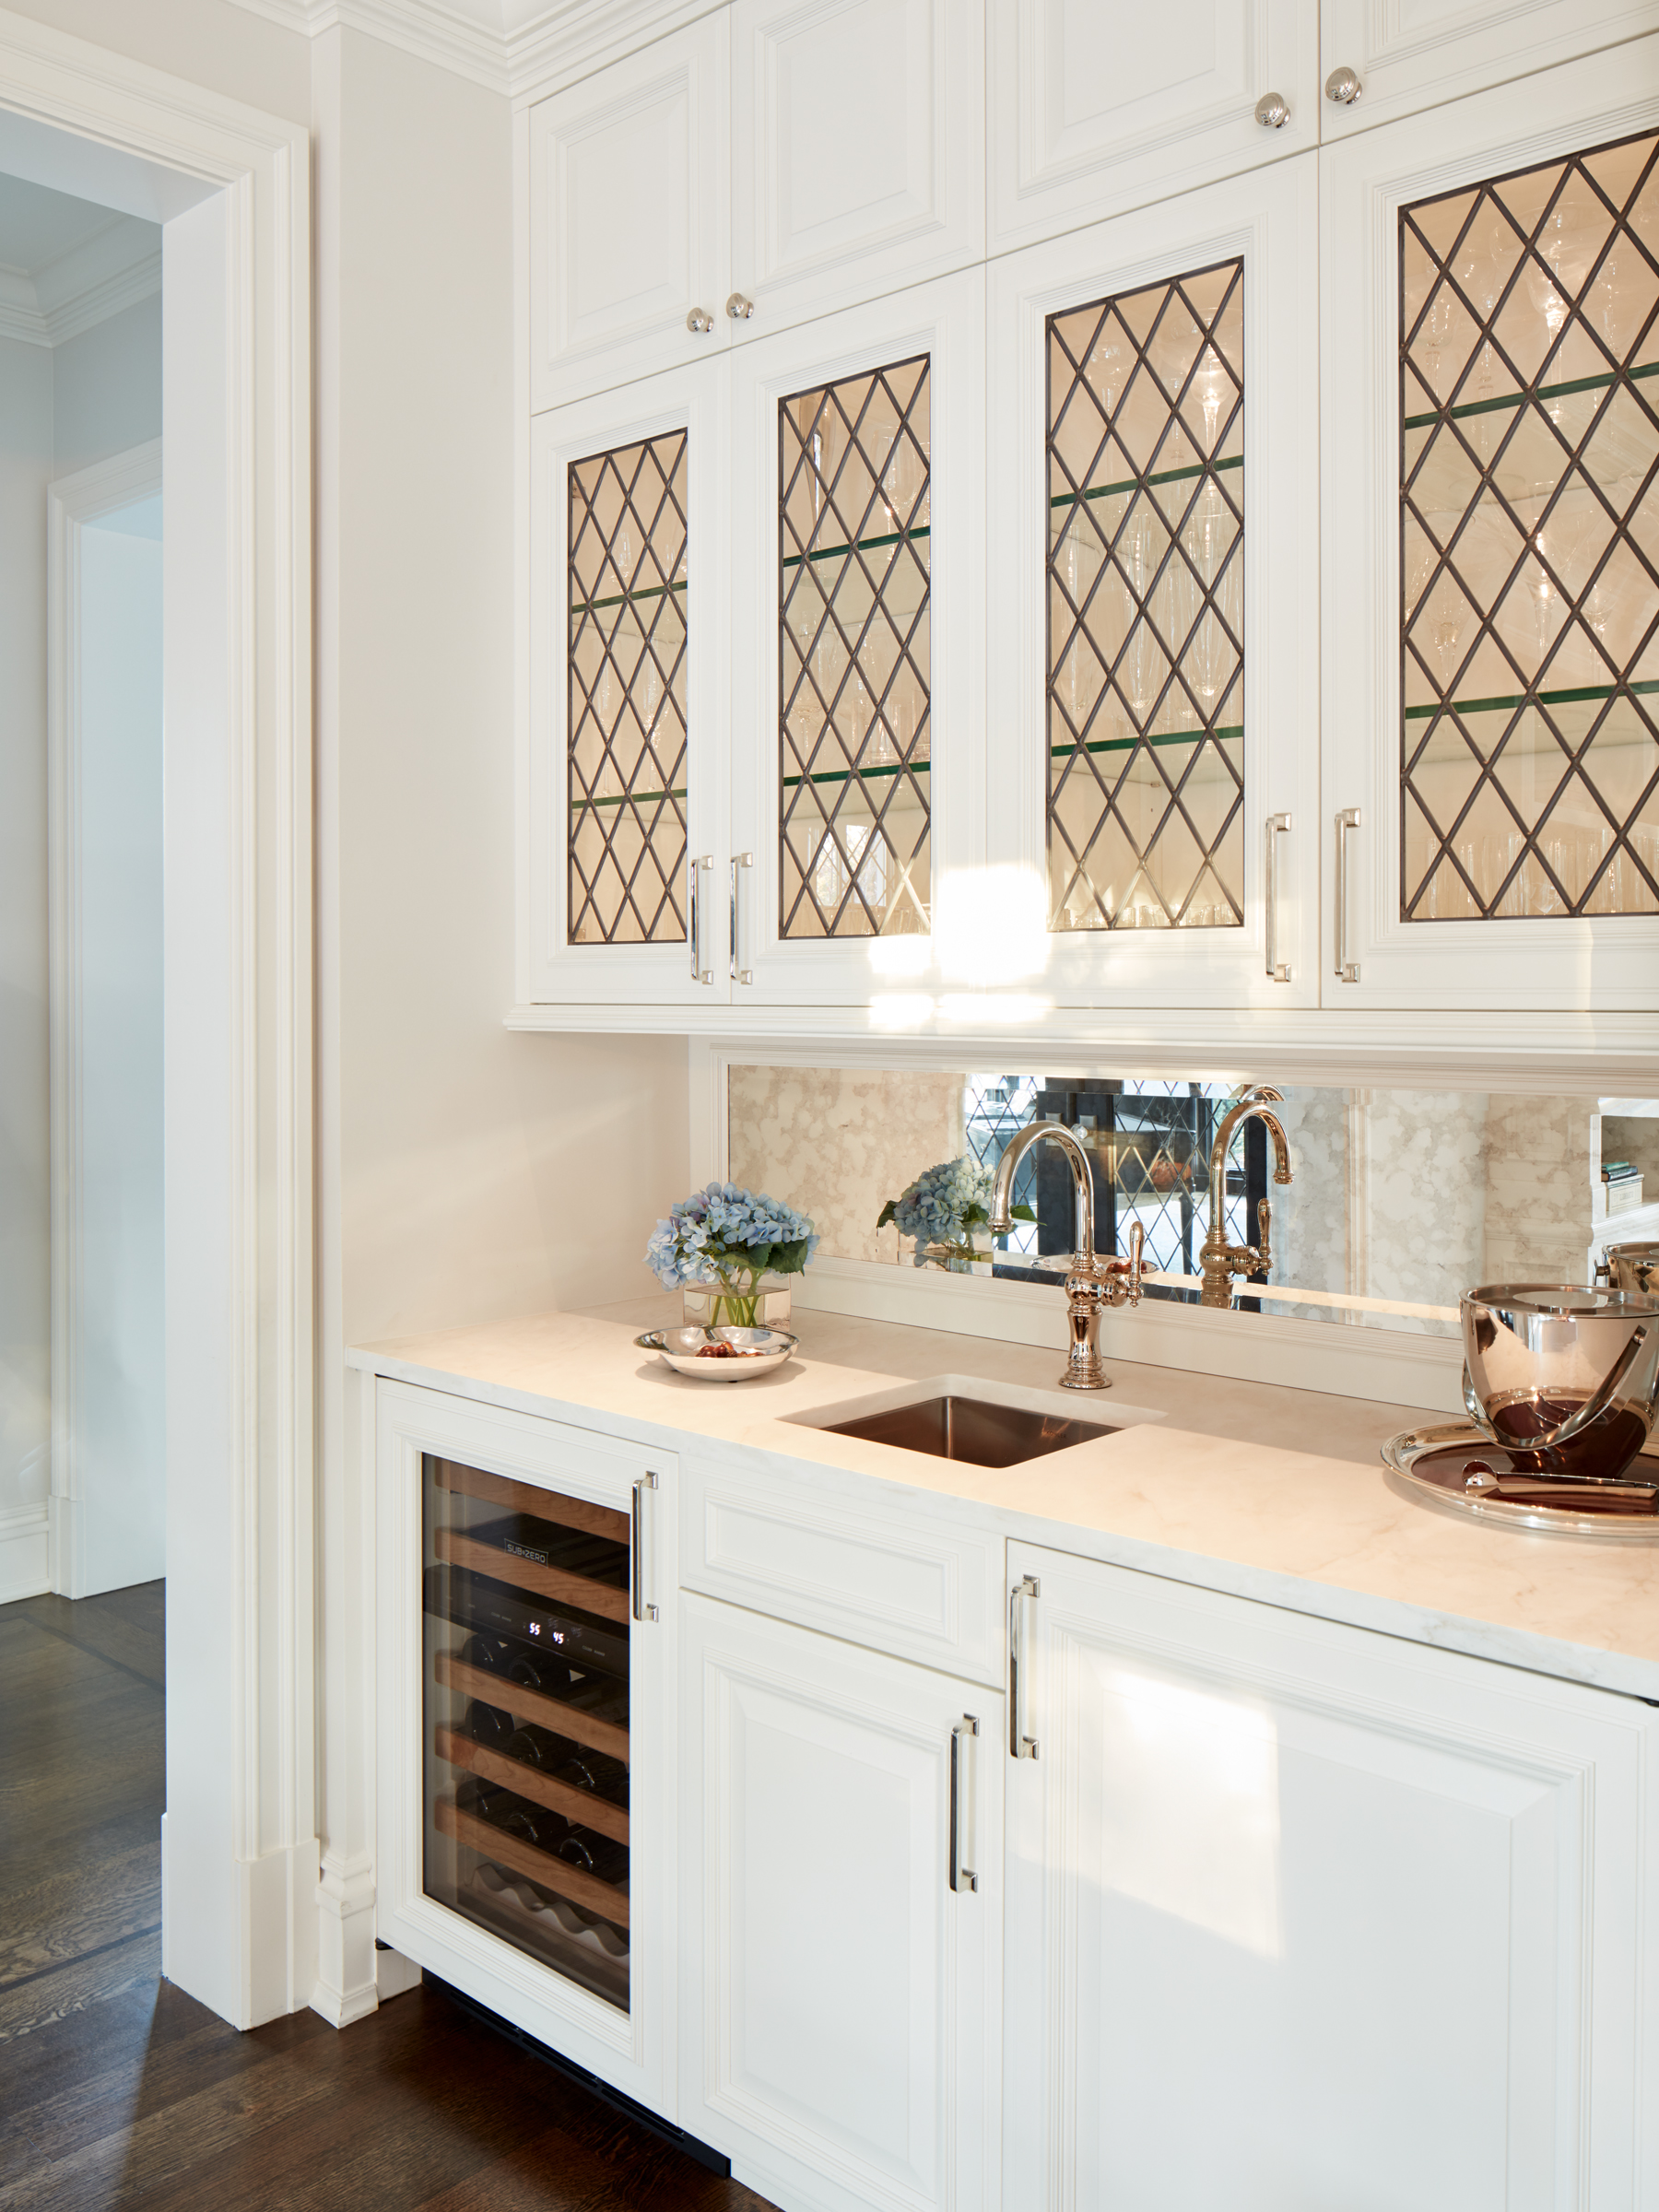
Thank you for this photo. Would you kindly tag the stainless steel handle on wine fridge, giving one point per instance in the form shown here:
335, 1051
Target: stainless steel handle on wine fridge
1020, 1745
962, 1737
739, 859
1278, 972
1348, 972
642, 1611
704, 860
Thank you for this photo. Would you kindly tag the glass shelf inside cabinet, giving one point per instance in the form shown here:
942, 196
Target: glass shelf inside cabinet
1146, 607
1529, 550
526, 1707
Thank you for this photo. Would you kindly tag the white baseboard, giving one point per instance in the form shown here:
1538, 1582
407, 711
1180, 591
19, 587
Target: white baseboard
25, 1550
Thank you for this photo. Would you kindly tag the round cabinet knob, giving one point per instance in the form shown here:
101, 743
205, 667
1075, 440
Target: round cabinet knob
1342, 86
739, 308
1273, 111
699, 322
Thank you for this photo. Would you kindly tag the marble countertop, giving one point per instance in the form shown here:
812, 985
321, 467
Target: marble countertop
1254, 1489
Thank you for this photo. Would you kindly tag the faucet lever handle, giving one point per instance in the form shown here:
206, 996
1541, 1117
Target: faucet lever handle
1137, 1252
1265, 1249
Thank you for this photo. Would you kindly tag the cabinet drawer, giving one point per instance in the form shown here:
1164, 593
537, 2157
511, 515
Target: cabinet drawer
892, 1581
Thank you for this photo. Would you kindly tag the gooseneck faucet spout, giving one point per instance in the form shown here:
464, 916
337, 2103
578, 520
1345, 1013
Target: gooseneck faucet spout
1219, 1260
1093, 1283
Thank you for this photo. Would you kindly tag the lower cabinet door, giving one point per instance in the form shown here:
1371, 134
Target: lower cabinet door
1301, 1917
841, 1918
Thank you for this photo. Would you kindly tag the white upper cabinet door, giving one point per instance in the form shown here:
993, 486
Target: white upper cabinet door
840, 1855
857, 151
1301, 1915
1490, 405
623, 885
1101, 105
1384, 58
1153, 739
858, 645
630, 240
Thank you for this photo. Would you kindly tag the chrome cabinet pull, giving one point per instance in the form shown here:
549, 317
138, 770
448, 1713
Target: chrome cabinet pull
1020, 1745
1343, 87
642, 1611
1273, 111
739, 308
739, 859
1278, 972
705, 860
1348, 972
699, 322
962, 1737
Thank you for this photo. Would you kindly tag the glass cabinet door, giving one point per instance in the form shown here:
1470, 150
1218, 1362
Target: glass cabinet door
1493, 794
1155, 763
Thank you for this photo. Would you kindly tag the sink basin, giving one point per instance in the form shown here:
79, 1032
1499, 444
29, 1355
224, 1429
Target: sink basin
971, 1428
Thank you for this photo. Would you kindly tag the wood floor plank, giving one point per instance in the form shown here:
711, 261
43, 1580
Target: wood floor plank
78, 1909
31, 2006
109, 1628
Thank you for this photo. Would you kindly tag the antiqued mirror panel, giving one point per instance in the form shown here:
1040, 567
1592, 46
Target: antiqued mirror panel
627, 588
1529, 390
1146, 607
855, 741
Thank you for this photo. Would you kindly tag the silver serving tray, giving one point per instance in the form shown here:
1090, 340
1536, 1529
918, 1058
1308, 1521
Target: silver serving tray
1515, 1499
754, 1351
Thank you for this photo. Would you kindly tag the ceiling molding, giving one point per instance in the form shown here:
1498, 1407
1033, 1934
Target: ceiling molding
557, 45
114, 269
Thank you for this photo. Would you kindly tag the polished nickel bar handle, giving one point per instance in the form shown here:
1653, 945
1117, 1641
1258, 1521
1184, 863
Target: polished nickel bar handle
1348, 972
642, 1611
1278, 972
1020, 1745
739, 859
962, 1754
706, 860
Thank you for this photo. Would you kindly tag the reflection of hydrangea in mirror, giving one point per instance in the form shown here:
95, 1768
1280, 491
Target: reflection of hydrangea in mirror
944, 1207
727, 1235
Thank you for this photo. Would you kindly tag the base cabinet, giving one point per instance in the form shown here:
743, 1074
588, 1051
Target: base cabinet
840, 2017
1303, 1916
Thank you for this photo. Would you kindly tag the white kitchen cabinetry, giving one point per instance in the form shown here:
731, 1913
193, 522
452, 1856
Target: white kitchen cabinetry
1136, 769
629, 226
1486, 680
427, 1437
1300, 1914
840, 2002
1097, 106
1427, 52
857, 151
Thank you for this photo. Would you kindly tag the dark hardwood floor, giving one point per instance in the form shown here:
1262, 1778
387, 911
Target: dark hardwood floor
117, 2089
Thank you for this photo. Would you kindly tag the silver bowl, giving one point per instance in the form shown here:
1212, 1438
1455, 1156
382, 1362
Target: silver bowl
1631, 1268
719, 1355
1562, 1377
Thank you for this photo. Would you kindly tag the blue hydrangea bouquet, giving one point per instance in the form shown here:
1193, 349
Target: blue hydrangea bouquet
943, 1208
729, 1236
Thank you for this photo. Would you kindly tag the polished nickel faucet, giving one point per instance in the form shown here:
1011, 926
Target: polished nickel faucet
1093, 1283
1219, 1260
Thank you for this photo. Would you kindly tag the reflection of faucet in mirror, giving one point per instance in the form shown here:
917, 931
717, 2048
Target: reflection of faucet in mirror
1222, 1261
1093, 1283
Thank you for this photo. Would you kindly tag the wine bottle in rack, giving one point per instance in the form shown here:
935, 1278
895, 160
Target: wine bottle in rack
488, 1723
585, 1770
597, 1855
539, 1748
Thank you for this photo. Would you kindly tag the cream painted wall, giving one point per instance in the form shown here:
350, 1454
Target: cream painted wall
210, 42
25, 1225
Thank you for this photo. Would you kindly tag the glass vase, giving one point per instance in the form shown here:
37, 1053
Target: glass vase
738, 1304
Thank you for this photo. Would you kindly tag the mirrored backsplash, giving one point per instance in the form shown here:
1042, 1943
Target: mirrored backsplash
1400, 1200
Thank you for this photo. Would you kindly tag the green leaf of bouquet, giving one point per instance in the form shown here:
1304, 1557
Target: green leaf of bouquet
886, 1212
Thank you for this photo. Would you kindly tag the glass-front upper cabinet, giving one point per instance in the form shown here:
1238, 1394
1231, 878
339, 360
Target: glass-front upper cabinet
624, 768
1153, 787
857, 689
1491, 380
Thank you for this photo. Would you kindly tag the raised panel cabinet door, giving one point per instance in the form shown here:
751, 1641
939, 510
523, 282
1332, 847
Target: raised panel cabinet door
625, 896
629, 245
1301, 1915
1379, 59
1153, 746
1490, 416
857, 151
858, 642
1097, 106
840, 1855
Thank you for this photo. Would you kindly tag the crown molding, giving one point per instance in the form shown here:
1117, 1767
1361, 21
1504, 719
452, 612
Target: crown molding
553, 46
115, 268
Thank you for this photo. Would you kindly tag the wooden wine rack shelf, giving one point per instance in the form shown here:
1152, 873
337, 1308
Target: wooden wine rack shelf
530, 1705
580, 1805
525, 1497
538, 1867
525, 1574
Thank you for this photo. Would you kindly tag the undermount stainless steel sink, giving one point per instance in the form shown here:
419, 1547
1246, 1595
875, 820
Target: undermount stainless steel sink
972, 1430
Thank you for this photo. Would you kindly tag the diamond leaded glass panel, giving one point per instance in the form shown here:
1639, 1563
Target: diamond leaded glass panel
1529, 350
627, 761
1146, 607
854, 736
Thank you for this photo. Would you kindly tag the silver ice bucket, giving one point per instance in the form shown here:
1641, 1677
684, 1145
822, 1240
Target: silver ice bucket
1631, 1268
1567, 1378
